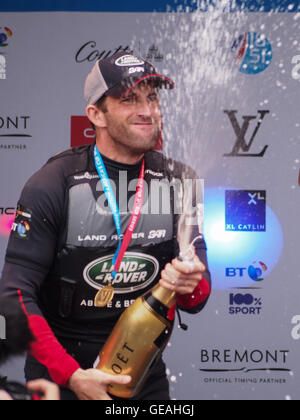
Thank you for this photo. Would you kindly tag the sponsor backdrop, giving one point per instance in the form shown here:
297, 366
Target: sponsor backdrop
234, 117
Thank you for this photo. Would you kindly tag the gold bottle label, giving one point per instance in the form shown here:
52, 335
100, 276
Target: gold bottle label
104, 296
137, 340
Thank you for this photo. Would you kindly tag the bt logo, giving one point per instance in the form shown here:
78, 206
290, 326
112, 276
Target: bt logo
255, 271
5, 34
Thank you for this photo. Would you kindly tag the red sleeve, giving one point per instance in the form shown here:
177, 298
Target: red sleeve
29, 260
47, 350
199, 295
193, 300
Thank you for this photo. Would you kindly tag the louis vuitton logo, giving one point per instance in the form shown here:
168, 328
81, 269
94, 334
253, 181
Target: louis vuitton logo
241, 147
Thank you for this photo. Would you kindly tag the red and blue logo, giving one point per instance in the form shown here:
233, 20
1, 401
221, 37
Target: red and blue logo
253, 52
5, 34
256, 270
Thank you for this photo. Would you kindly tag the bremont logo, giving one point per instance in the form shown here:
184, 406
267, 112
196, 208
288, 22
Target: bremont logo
242, 147
16, 126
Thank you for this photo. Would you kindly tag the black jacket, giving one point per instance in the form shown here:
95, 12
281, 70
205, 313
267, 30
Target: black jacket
63, 240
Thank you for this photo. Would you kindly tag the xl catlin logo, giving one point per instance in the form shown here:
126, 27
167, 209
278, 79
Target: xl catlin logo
245, 211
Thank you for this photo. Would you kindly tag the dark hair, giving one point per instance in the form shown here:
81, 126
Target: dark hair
18, 336
101, 104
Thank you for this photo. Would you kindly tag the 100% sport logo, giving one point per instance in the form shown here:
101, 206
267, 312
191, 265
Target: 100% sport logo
244, 304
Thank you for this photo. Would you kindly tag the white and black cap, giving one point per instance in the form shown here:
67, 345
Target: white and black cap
119, 73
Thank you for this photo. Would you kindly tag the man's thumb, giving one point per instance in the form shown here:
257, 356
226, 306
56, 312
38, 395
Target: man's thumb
117, 379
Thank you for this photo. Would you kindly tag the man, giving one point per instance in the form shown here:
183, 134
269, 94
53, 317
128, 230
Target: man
65, 256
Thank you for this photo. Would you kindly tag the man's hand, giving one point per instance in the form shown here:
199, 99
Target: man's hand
49, 390
92, 384
182, 277
4, 396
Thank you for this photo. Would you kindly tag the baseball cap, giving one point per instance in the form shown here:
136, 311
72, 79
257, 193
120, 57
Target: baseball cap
119, 73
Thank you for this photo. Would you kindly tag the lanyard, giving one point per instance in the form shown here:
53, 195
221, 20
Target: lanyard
136, 212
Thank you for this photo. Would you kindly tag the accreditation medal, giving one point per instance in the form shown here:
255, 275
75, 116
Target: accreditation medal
104, 296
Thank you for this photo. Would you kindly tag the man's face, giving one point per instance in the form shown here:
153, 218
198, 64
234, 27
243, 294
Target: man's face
134, 119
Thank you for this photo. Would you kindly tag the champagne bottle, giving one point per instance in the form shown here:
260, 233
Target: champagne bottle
138, 340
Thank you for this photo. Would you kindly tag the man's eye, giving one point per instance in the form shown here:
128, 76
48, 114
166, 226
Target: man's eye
152, 98
130, 99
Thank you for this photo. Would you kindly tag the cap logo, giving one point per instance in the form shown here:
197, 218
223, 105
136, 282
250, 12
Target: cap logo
129, 60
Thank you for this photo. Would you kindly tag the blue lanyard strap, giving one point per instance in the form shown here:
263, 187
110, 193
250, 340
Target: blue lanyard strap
109, 193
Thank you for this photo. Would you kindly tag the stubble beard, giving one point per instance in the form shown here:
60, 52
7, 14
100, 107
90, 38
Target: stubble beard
123, 137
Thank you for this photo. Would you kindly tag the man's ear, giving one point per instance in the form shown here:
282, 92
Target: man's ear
96, 116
